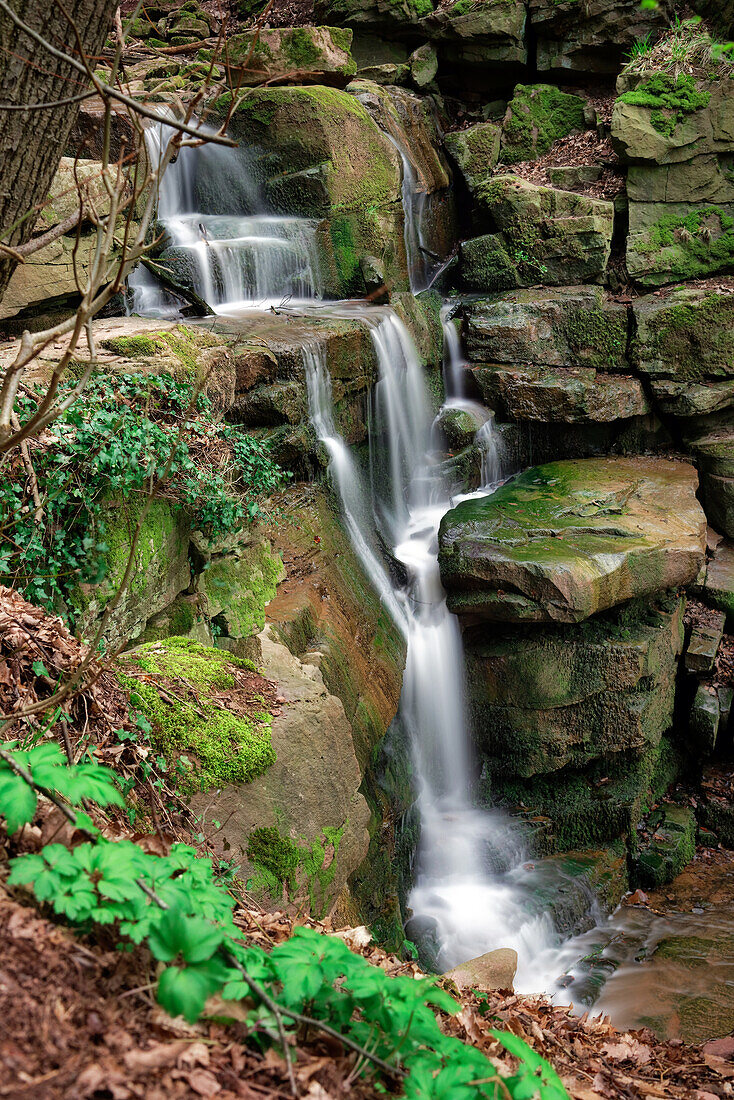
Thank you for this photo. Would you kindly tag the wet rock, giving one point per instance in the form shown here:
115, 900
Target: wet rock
322, 156
292, 54
553, 700
563, 541
476, 151
537, 116
669, 847
459, 425
494, 970
566, 394
549, 237
423, 64
577, 326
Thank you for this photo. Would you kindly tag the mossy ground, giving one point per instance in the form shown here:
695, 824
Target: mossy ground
190, 714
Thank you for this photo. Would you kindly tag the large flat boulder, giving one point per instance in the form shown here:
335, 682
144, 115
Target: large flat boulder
538, 235
560, 394
577, 326
563, 541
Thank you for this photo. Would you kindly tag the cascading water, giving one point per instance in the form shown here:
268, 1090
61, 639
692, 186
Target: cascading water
472, 890
230, 259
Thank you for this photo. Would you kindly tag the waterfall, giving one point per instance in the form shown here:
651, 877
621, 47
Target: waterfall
454, 362
229, 258
470, 890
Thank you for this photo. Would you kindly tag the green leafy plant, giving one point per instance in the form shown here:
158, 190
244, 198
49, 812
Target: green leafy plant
175, 907
125, 436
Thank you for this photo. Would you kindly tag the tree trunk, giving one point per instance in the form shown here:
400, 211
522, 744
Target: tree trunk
32, 141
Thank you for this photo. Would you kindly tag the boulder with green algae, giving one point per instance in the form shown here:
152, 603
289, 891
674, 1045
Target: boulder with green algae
536, 117
704, 720
584, 808
322, 156
230, 743
544, 699
236, 586
669, 846
669, 242
579, 326
556, 238
563, 541
559, 394
476, 151
423, 65
323, 54
684, 343
160, 571
459, 425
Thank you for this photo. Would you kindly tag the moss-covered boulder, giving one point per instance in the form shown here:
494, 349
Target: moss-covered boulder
537, 115
563, 541
459, 425
577, 326
560, 394
684, 343
206, 709
553, 698
322, 156
160, 570
669, 242
476, 151
546, 236
320, 55
667, 846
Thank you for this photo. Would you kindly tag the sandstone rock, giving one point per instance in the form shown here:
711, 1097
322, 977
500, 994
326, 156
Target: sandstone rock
718, 585
460, 425
388, 73
292, 54
704, 720
551, 237
688, 335
537, 115
312, 785
476, 151
481, 33
573, 177
594, 38
494, 970
672, 241
713, 448
565, 394
550, 700
566, 327
563, 541
703, 643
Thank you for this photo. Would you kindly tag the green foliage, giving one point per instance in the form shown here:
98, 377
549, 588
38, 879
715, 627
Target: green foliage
48, 768
174, 905
113, 444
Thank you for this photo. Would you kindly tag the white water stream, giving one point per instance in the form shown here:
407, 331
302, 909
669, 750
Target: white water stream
473, 889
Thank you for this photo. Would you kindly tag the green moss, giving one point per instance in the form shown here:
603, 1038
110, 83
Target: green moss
686, 246
697, 337
140, 346
537, 116
284, 867
669, 98
229, 748
601, 336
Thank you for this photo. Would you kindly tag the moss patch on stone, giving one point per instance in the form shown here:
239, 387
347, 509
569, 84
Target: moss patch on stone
537, 115
670, 98
229, 747
286, 868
